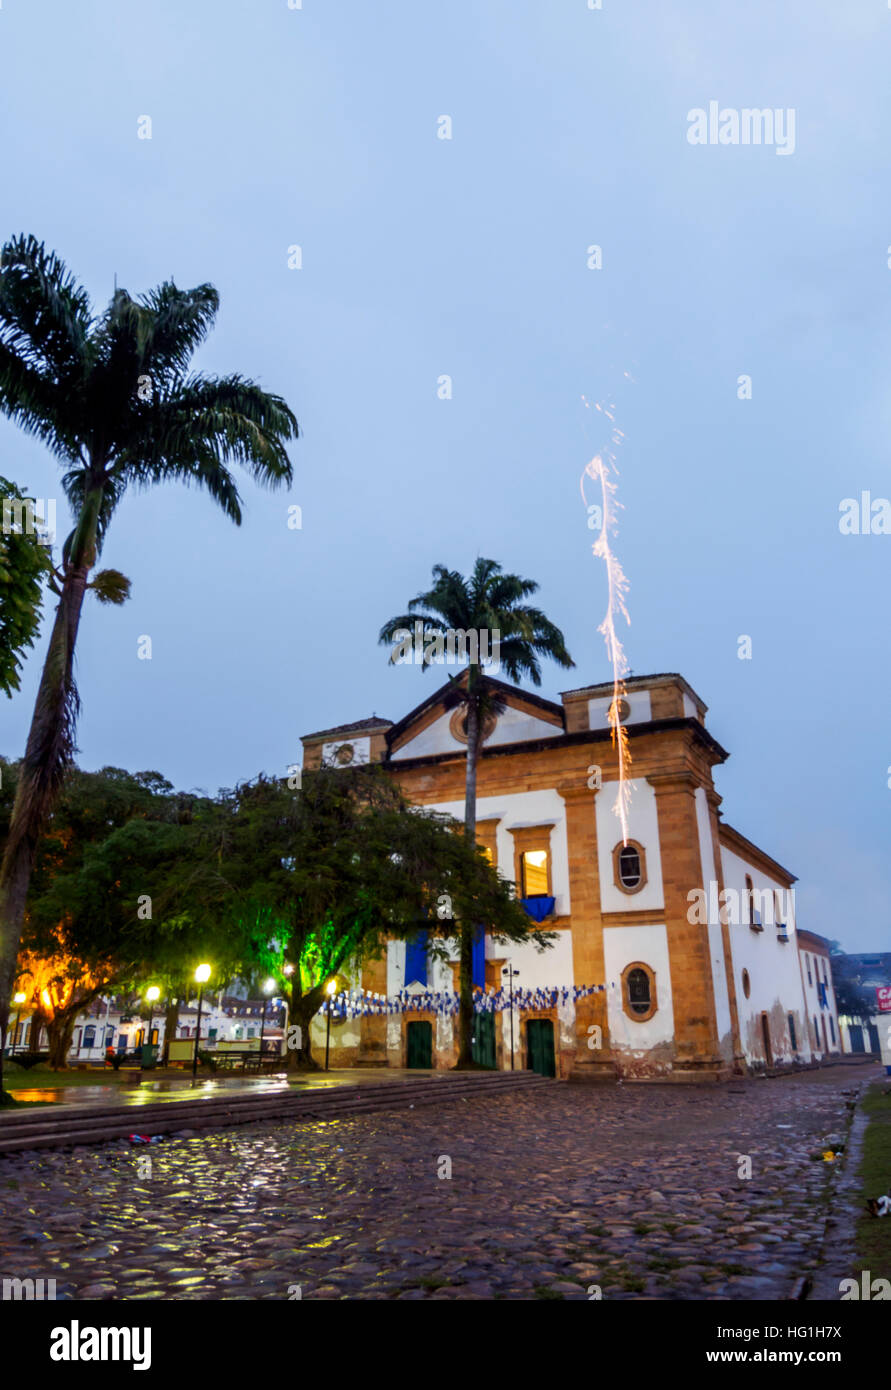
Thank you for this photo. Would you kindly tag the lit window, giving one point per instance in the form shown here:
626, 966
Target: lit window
535, 873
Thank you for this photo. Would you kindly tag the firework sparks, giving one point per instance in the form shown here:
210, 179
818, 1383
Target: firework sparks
600, 469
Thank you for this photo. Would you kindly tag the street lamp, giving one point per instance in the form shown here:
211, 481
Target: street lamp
18, 1000
151, 994
330, 989
202, 975
268, 987
510, 972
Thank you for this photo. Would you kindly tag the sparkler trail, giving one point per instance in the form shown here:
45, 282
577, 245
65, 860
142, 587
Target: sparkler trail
617, 590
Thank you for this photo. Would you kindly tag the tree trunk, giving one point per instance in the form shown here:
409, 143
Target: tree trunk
171, 1023
61, 1030
302, 1011
48, 751
465, 1010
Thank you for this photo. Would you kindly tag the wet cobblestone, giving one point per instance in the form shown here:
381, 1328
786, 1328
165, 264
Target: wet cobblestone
633, 1189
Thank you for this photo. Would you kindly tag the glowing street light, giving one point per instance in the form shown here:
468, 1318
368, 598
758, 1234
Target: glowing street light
330, 990
202, 975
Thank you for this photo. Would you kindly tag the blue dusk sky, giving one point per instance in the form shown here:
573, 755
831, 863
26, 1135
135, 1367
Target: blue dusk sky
274, 127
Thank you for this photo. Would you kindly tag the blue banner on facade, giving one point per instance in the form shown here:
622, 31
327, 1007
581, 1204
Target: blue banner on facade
416, 958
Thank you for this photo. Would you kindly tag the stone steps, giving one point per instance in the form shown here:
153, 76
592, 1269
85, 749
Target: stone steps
68, 1125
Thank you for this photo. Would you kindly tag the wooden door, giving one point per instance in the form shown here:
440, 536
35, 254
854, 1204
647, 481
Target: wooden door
540, 1047
765, 1031
419, 1046
483, 1046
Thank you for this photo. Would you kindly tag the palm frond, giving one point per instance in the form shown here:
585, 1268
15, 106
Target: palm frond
44, 314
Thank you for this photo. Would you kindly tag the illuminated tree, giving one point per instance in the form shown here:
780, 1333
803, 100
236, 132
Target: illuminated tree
317, 880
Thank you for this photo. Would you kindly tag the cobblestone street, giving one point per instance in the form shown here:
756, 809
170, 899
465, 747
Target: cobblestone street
631, 1188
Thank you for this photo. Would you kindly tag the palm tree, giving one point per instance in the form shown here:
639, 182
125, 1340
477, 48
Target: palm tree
488, 601
112, 397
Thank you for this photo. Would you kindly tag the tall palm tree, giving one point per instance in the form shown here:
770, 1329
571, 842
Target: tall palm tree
112, 397
488, 601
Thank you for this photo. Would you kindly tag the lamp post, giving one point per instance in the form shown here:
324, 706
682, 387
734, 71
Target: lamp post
151, 994
202, 975
18, 1000
329, 990
268, 987
510, 972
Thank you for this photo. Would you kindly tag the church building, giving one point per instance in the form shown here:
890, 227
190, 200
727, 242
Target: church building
676, 953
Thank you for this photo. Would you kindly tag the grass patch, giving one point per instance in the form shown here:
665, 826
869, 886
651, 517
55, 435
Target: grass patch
642, 1229
542, 1291
873, 1235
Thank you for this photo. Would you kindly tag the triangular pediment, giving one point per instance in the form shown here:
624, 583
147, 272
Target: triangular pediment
435, 727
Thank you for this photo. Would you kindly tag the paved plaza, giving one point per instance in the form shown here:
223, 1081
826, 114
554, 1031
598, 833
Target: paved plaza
634, 1189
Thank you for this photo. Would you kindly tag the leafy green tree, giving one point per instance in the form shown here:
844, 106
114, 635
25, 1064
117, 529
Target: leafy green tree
488, 601
74, 946
24, 565
112, 398
317, 880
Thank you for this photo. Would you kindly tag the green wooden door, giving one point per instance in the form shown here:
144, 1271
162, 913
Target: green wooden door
483, 1046
419, 1046
540, 1047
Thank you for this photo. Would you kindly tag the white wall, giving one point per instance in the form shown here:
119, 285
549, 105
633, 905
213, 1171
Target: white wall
518, 809
773, 971
649, 944
638, 706
512, 727
643, 826
819, 967
715, 934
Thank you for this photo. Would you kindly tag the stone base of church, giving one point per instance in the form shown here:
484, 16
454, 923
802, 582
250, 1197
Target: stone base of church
601, 1072
701, 1069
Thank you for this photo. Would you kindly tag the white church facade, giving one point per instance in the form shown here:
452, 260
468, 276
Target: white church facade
676, 953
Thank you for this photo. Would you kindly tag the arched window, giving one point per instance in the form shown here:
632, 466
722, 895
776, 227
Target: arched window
639, 991
746, 983
629, 866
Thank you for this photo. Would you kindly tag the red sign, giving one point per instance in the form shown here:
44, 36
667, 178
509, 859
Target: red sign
884, 997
